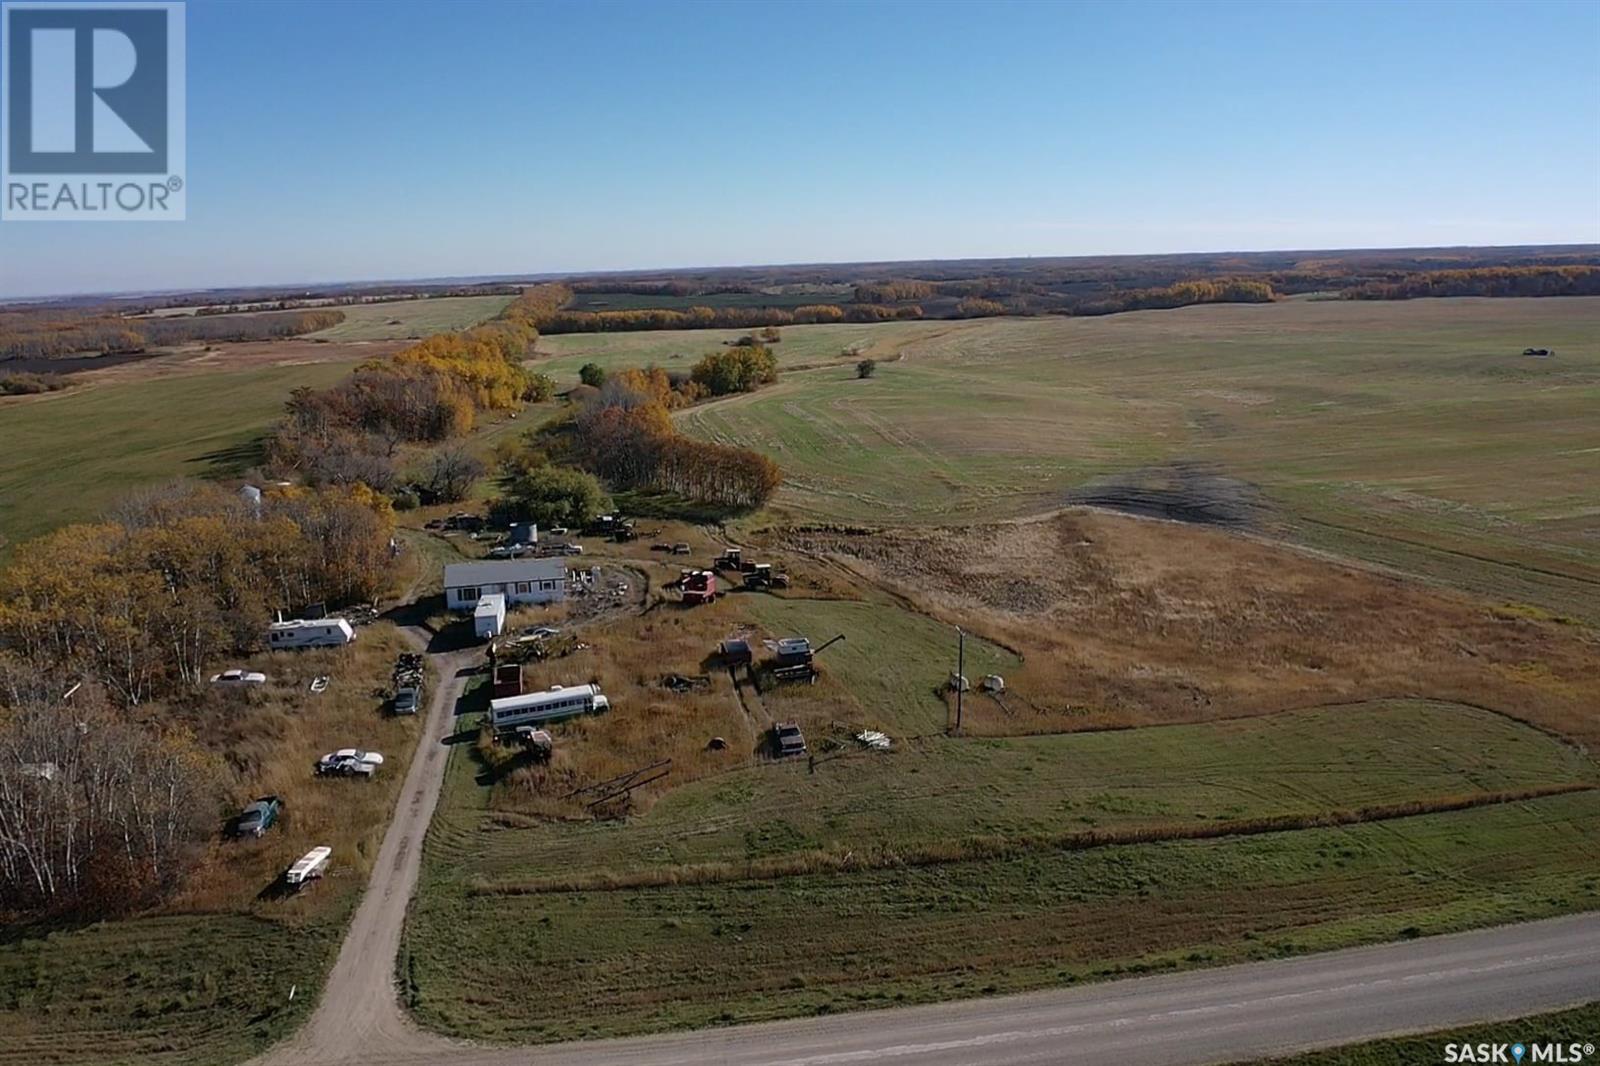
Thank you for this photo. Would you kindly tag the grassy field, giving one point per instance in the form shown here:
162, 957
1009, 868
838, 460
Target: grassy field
938, 789
557, 966
208, 979
412, 319
1410, 433
65, 457
560, 356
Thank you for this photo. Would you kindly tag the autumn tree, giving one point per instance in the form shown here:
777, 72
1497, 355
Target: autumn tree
449, 473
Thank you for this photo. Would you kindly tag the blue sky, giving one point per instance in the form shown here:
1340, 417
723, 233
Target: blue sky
356, 140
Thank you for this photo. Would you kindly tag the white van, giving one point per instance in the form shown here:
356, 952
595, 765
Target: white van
310, 633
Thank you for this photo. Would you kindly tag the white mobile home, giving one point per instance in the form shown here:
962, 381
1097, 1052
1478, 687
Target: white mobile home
310, 633
489, 616
551, 705
518, 580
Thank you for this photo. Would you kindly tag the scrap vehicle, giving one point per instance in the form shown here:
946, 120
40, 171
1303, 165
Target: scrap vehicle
408, 698
550, 705
349, 762
787, 740
310, 866
699, 586
238, 678
258, 817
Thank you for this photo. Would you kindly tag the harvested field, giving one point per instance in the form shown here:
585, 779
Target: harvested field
1128, 622
1412, 434
412, 319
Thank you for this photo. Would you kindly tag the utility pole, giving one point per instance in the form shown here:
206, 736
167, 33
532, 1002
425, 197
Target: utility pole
961, 671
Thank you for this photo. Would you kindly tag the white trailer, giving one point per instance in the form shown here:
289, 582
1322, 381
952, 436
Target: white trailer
310, 866
489, 616
551, 705
310, 633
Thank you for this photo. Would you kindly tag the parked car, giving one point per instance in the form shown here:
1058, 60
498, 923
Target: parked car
238, 677
258, 817
511, 551
572, 549
349, 762
408, 699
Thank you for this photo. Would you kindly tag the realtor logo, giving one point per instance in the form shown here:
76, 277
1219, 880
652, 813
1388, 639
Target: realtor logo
93, 111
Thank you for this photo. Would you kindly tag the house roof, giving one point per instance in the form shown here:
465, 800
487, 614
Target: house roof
500, 571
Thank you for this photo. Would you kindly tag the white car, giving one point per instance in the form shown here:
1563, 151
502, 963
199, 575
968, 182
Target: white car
238, 677
349, 762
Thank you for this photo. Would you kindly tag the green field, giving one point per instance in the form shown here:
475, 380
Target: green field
567, 965
1414, 434
493, 949
68, 456
412, 319
560, 356
937, 788
185, 989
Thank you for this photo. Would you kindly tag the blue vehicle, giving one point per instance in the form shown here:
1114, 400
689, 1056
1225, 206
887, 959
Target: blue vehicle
257, 818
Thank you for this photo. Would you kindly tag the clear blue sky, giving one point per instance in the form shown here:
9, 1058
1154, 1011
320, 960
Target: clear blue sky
350, 140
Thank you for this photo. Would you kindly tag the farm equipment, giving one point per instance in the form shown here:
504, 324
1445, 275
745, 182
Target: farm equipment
699, 586
796, 659
730, 559
536, 742
762, 576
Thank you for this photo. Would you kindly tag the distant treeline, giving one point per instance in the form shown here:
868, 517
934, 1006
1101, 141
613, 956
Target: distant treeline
1183, 294
720, 317
1484, 281
874, 292
50, 334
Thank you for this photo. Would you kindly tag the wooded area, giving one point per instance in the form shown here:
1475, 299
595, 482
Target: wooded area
52, 333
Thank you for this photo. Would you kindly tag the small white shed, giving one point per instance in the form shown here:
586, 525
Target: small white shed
489, 616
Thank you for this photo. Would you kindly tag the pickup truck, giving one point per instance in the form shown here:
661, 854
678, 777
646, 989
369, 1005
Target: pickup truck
787, 740
258, 817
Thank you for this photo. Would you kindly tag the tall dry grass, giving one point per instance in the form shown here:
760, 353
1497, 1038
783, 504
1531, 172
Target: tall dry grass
269, 741
1124, 622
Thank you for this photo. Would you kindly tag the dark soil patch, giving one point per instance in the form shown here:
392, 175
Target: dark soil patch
1181, 492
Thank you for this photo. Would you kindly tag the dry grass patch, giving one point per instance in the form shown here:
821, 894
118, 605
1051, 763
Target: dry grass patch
1123, 622
269, 741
